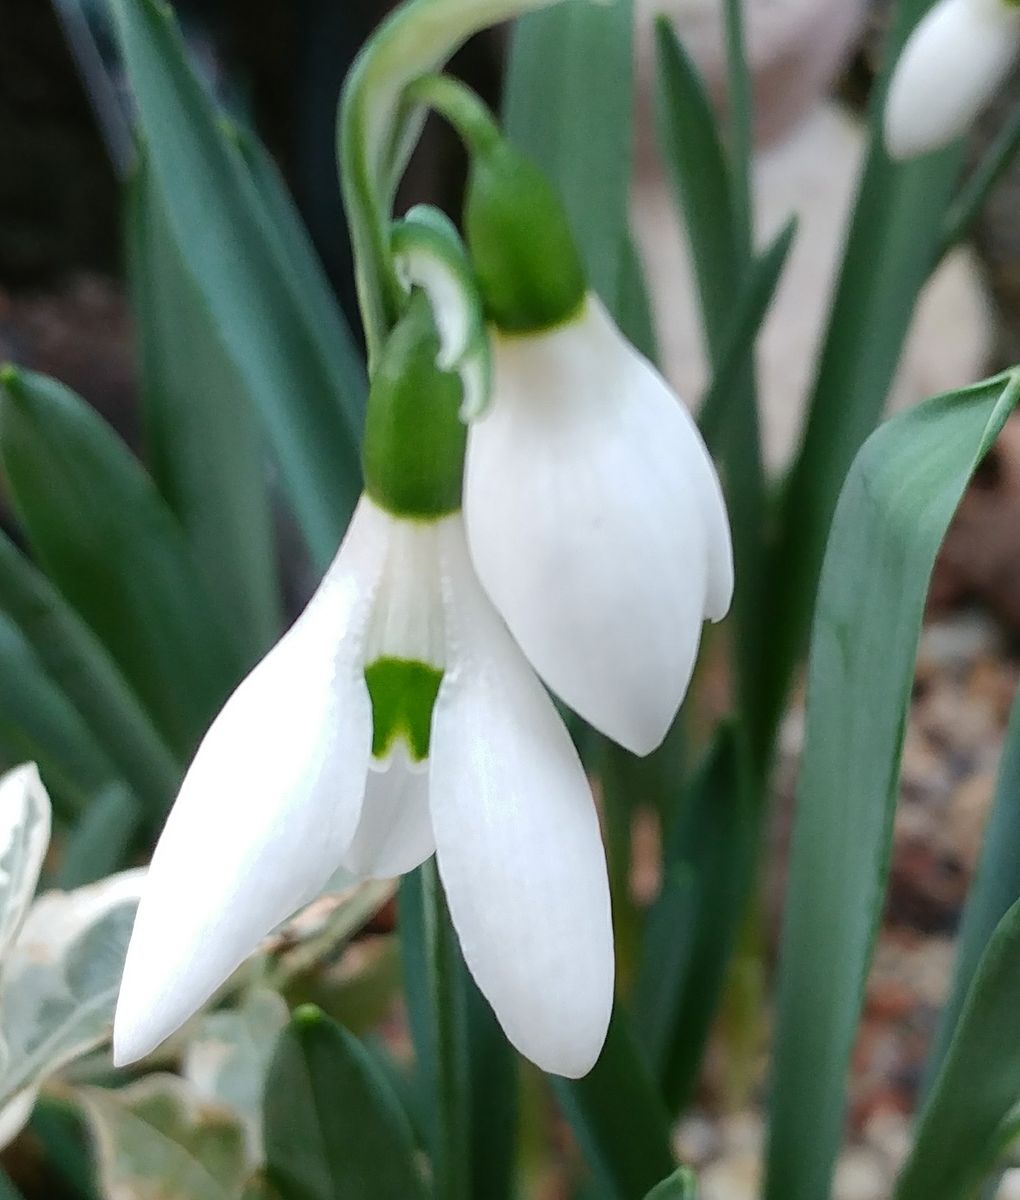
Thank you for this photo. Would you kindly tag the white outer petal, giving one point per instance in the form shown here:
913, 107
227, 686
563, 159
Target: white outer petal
517, 836
597, 524
949, 69
267, 808
394, 834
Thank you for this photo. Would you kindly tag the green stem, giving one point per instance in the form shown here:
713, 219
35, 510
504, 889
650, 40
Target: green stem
463, 108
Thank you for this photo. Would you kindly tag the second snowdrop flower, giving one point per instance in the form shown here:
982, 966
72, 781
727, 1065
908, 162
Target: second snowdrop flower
594, 514
950, 68
396, 719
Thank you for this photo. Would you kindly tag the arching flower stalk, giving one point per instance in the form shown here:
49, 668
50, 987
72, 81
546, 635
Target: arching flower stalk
950, 68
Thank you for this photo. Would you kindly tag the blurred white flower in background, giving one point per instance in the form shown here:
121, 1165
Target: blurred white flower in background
951, 66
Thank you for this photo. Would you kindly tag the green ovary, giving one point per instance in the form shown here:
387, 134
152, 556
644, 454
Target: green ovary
403, 693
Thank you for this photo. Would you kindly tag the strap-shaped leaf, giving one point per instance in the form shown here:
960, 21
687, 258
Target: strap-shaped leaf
204, 438
333, 1128
692, 927
698, 169
81, 667
239, 263
971, 1115
107, 540
892, 515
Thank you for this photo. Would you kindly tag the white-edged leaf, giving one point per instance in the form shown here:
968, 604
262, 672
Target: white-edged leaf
14, 1115
228, 1060
24, 839
157, 1140
62, 977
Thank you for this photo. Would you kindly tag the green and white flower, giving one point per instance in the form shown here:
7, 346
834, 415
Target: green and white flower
397, 718
596, 523
950, 68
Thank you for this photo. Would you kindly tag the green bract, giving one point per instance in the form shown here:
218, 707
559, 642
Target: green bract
413, 451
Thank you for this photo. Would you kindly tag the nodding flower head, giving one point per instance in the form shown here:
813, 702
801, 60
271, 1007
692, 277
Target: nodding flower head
949, 69
396, 719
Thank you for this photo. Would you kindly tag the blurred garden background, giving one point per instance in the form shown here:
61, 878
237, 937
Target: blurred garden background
65, 143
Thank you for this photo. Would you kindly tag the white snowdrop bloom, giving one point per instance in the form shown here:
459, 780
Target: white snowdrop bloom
949, 69
395, 719
594, 514
596, 523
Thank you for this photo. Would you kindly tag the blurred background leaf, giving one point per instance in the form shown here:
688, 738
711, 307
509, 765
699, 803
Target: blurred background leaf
333, 1128
892, 515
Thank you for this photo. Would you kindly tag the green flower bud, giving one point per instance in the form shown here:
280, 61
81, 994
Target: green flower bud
528, 268
523, 253
413, 450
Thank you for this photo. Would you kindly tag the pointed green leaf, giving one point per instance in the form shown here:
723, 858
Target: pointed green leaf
737, 343
692, 927
109, 543
971, 1115
713, 200
618, 1117
681, 1185
893, 513
240, 263
333, 1128
696, 162
81, 667
203, 434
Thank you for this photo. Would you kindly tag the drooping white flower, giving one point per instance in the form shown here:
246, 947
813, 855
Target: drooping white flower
596, 523
949, 69
332, 753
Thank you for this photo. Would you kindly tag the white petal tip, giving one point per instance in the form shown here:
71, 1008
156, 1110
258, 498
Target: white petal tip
132, 1045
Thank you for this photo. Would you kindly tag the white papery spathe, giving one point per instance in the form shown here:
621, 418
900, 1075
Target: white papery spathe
950, 68
284, 789
597, 524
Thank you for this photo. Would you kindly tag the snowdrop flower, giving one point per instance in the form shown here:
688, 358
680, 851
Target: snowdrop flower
397, 718
594, 514
949, 69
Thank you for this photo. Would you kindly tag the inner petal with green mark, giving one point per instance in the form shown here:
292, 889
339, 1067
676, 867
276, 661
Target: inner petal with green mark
403, 693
